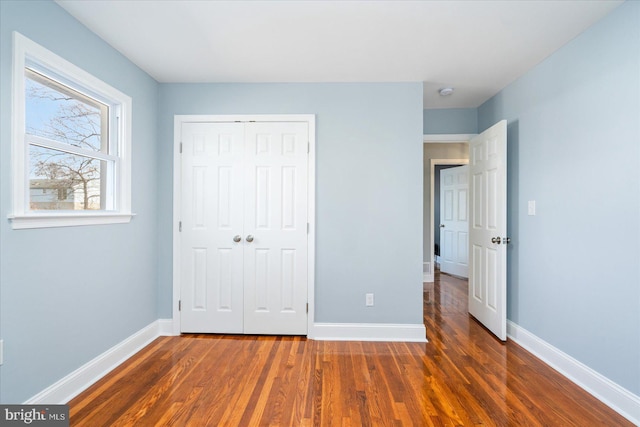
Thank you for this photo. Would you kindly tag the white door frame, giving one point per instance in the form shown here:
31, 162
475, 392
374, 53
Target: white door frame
440, 139
177, 197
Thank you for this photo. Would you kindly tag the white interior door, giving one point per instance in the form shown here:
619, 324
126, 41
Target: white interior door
488, 229
276, 218
212, 215
244, 228
454, 221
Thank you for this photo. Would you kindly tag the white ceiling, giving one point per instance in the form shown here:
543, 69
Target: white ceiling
477, 47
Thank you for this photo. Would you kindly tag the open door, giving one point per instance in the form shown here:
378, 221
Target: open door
488, 229
454, 221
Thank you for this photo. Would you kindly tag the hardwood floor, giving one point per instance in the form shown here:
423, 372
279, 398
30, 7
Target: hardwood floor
462, 377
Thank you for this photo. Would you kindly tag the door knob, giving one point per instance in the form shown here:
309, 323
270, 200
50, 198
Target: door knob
441, 225
495, 240
506, 240
249, 238
237, 238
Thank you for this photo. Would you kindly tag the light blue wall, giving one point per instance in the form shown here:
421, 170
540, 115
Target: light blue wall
69, 294
450, 120
368, 188
574, 147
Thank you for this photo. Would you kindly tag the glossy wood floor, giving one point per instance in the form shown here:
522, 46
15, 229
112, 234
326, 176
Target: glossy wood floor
462, 377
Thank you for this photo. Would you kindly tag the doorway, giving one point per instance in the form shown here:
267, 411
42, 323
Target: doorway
486, 154
438, 150
451, 219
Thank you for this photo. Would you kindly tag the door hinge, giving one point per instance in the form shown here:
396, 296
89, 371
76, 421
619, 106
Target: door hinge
307, 228
179, 305
181, 148
308, 147
180, 226
307, 307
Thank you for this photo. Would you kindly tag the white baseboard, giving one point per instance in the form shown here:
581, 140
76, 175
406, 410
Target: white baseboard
79, 380
616, 397
368, 332
165, 328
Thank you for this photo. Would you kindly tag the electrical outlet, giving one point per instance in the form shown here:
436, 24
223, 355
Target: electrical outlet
368, 300
531, 208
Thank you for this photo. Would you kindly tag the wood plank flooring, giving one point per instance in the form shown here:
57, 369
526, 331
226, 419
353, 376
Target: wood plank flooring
462, 377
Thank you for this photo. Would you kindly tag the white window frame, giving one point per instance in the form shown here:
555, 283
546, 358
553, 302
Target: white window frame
26, 52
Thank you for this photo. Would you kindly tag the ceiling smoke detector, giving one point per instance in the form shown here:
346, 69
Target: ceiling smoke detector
445, 91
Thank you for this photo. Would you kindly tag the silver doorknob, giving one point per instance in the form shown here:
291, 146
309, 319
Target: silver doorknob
496, 240
249, 238
441, 225
237, 238
506, 240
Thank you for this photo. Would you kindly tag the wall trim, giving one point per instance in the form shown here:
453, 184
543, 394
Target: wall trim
447, 138
608, 392
369, 332
70, 386
165, 328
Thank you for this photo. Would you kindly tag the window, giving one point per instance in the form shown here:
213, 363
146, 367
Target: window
71, 143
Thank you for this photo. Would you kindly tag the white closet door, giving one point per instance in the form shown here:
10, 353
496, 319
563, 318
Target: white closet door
275, 216
244, 228
212, 215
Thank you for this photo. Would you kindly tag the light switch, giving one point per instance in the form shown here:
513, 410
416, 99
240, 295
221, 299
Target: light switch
531, 208
368, 300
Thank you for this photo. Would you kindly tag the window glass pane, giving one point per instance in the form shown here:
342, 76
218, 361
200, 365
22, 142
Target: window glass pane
63, 181
56, 112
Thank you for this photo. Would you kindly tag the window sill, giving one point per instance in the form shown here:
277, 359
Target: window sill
19, 222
